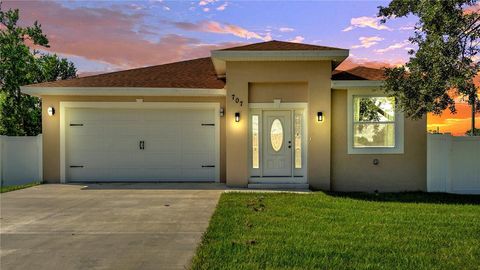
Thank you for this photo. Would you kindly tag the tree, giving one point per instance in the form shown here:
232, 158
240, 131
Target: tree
447, 37
20, 65
475, 132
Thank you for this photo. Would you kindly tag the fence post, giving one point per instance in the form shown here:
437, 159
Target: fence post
1, 160
40, 157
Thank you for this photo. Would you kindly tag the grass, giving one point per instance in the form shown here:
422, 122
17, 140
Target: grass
342, 231
17, 187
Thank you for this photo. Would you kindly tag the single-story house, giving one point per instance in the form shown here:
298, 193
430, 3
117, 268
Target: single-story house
270, 114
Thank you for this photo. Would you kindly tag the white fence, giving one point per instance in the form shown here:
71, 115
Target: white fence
20, 160
453, 164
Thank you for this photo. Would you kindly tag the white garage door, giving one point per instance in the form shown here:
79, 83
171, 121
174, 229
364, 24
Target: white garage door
140, 145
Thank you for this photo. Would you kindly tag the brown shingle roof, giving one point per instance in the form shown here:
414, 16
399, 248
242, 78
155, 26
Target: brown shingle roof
276, 45
196, 73
359, 73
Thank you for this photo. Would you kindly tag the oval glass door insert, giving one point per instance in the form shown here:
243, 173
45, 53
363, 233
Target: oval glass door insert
276, 135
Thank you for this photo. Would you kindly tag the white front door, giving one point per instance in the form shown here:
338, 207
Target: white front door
277, 144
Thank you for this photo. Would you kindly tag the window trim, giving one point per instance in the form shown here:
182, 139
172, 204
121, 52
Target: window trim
399, 126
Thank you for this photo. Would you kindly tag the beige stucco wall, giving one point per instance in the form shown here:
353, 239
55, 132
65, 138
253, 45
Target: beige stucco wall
51, 127
316, 76
395, 172
285, 91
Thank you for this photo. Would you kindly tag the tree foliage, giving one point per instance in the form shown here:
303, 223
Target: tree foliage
447, 37
475, 132
21, 65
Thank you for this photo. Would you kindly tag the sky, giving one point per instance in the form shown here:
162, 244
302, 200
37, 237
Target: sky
105, 36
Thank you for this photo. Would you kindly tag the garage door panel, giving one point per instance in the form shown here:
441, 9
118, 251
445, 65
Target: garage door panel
122, 128
107, 145
123, 144
164, 160
82, 174
85, 115
159, 147
159, 174
89, 159
125, 174
87, 128
122, 160
113, 115
198, 174
197, 160
166, 130
86, 143
198, 115
162, 115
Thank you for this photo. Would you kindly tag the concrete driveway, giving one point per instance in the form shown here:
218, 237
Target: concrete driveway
104, 226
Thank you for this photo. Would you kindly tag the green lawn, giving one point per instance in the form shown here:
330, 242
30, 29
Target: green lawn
12, 188
342, 231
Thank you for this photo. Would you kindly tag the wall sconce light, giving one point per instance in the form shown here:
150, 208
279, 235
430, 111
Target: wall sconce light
237, 117
319, 116
51, 111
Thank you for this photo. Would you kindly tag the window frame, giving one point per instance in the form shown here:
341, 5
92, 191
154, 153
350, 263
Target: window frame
398, 125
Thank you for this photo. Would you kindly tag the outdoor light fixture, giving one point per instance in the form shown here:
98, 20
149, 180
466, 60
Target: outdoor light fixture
51, 111
319, 116
237, 117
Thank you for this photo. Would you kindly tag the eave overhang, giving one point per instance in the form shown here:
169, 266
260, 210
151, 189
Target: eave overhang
121, 91
220, 57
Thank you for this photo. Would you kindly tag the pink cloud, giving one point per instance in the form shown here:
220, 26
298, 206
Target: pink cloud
297, 39
219, 28
362, 22
394, 46
222, 7
367, 42
111, 36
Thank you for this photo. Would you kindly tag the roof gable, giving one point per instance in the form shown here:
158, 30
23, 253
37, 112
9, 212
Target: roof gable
275, 45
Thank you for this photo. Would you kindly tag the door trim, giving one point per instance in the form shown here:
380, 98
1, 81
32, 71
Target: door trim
256, 108
64, 105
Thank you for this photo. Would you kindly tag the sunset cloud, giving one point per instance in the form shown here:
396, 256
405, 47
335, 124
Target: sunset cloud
367, 42
219, 28
206, 2
362, 22
297, 39
286, 29
222, 7
394, 46
111, 36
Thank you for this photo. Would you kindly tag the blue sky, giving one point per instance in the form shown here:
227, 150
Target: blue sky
197, 26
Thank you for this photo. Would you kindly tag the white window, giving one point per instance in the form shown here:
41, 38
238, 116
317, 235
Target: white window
374, 124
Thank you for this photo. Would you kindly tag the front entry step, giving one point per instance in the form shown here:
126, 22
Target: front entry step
278, 186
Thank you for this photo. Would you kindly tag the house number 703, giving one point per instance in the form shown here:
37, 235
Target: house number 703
237, 100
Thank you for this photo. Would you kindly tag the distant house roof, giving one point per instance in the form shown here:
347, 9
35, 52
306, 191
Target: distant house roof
276, 45
359, 73
196, 73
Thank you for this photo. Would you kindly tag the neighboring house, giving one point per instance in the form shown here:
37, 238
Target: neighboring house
269, 114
